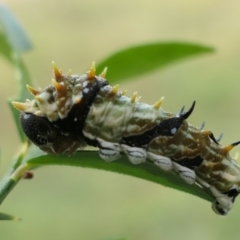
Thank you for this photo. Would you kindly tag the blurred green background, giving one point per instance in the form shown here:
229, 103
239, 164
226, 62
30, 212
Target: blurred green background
73, 203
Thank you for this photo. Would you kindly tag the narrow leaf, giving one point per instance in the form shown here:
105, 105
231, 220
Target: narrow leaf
4, 216
14, 41
23, 80
5, 48
15, 34
15, 115
138, 60
147, 171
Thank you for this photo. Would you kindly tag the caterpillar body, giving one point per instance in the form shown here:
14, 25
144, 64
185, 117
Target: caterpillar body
76, 111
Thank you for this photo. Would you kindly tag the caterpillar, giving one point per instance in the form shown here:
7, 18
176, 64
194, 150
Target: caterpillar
76, 111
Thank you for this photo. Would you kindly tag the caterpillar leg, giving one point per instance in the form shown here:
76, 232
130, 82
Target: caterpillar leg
108, 151
224, 201
185, 173
219, 209
162, 162
135, 155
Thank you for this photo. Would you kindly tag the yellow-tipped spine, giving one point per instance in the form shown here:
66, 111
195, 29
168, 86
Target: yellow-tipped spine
159, 103
32, 90
115, 89
57, 72
92, 72
59, 87
20, 106
104, 73
39, 99
134, 97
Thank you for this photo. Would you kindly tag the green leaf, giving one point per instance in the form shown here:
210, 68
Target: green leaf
147, 171
8, 182
23, 79
138, 60
4, 216
5, 48
15, 114
13, 42
17, 37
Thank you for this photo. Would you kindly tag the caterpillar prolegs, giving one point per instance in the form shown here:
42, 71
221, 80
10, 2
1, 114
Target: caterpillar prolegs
76, 111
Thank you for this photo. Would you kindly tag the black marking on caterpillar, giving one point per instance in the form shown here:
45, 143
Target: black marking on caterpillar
191, 163
167, 127
74, 123
76, 111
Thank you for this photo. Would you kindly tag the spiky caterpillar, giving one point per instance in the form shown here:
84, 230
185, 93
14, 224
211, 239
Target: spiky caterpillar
76, 111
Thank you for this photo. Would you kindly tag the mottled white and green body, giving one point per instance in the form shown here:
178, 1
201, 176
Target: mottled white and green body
77, 111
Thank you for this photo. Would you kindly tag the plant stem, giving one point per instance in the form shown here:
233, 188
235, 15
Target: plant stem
14, 175
9, 181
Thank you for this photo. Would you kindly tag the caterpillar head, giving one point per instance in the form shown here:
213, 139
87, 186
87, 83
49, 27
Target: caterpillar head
54, 119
